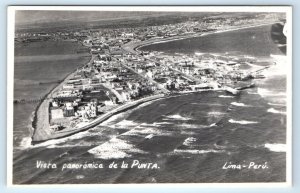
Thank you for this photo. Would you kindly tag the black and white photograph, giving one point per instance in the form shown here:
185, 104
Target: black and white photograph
149, 95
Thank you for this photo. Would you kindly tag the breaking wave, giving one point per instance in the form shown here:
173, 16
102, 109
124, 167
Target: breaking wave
150, 136
276, 104
196, 151
199, 53
225, 96
276, 147
272, 110
114, 149
194, 126
242, 122
162, 123
215, 113
213, 125
178, 117
145, 131
264, 92
190, 126
55, 143
25, 143
189, 141
239, 104
126, 123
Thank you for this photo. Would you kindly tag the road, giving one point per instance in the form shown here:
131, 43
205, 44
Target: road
164, 90
198, 81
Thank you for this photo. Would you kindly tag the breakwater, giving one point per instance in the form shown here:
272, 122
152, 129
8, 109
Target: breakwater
36, 138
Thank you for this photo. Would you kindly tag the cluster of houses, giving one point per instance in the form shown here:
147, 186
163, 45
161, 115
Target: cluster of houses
114, 76
95, 89
117, 36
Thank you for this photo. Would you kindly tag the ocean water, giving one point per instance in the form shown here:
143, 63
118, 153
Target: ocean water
37, 69
251, 41
189, 137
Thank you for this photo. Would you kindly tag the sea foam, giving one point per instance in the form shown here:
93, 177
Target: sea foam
225, 96
126, 123
213, 125
239, 104
26, 143
144, 131
196, 151
242, 122
190, 126
272, 110
199, 53
265, 92
114, 149
178, 117
162, 123
276, 147
277, 104
189, 141
215, 113
54, 143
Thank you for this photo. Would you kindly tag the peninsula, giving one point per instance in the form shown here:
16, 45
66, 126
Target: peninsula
119, 76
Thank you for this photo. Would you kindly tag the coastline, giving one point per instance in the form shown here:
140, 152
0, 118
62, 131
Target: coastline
134, 47
38, 138
119, 109
42, 132
35, 119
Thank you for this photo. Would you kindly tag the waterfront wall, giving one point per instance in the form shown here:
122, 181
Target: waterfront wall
122, 108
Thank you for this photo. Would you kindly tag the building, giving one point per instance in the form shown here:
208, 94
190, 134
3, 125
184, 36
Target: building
57, 114
69, 110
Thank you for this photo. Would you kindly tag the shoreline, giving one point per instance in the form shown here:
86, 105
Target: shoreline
117, 110
134, 47
35, 117
41, 133
101, 118
44, 99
